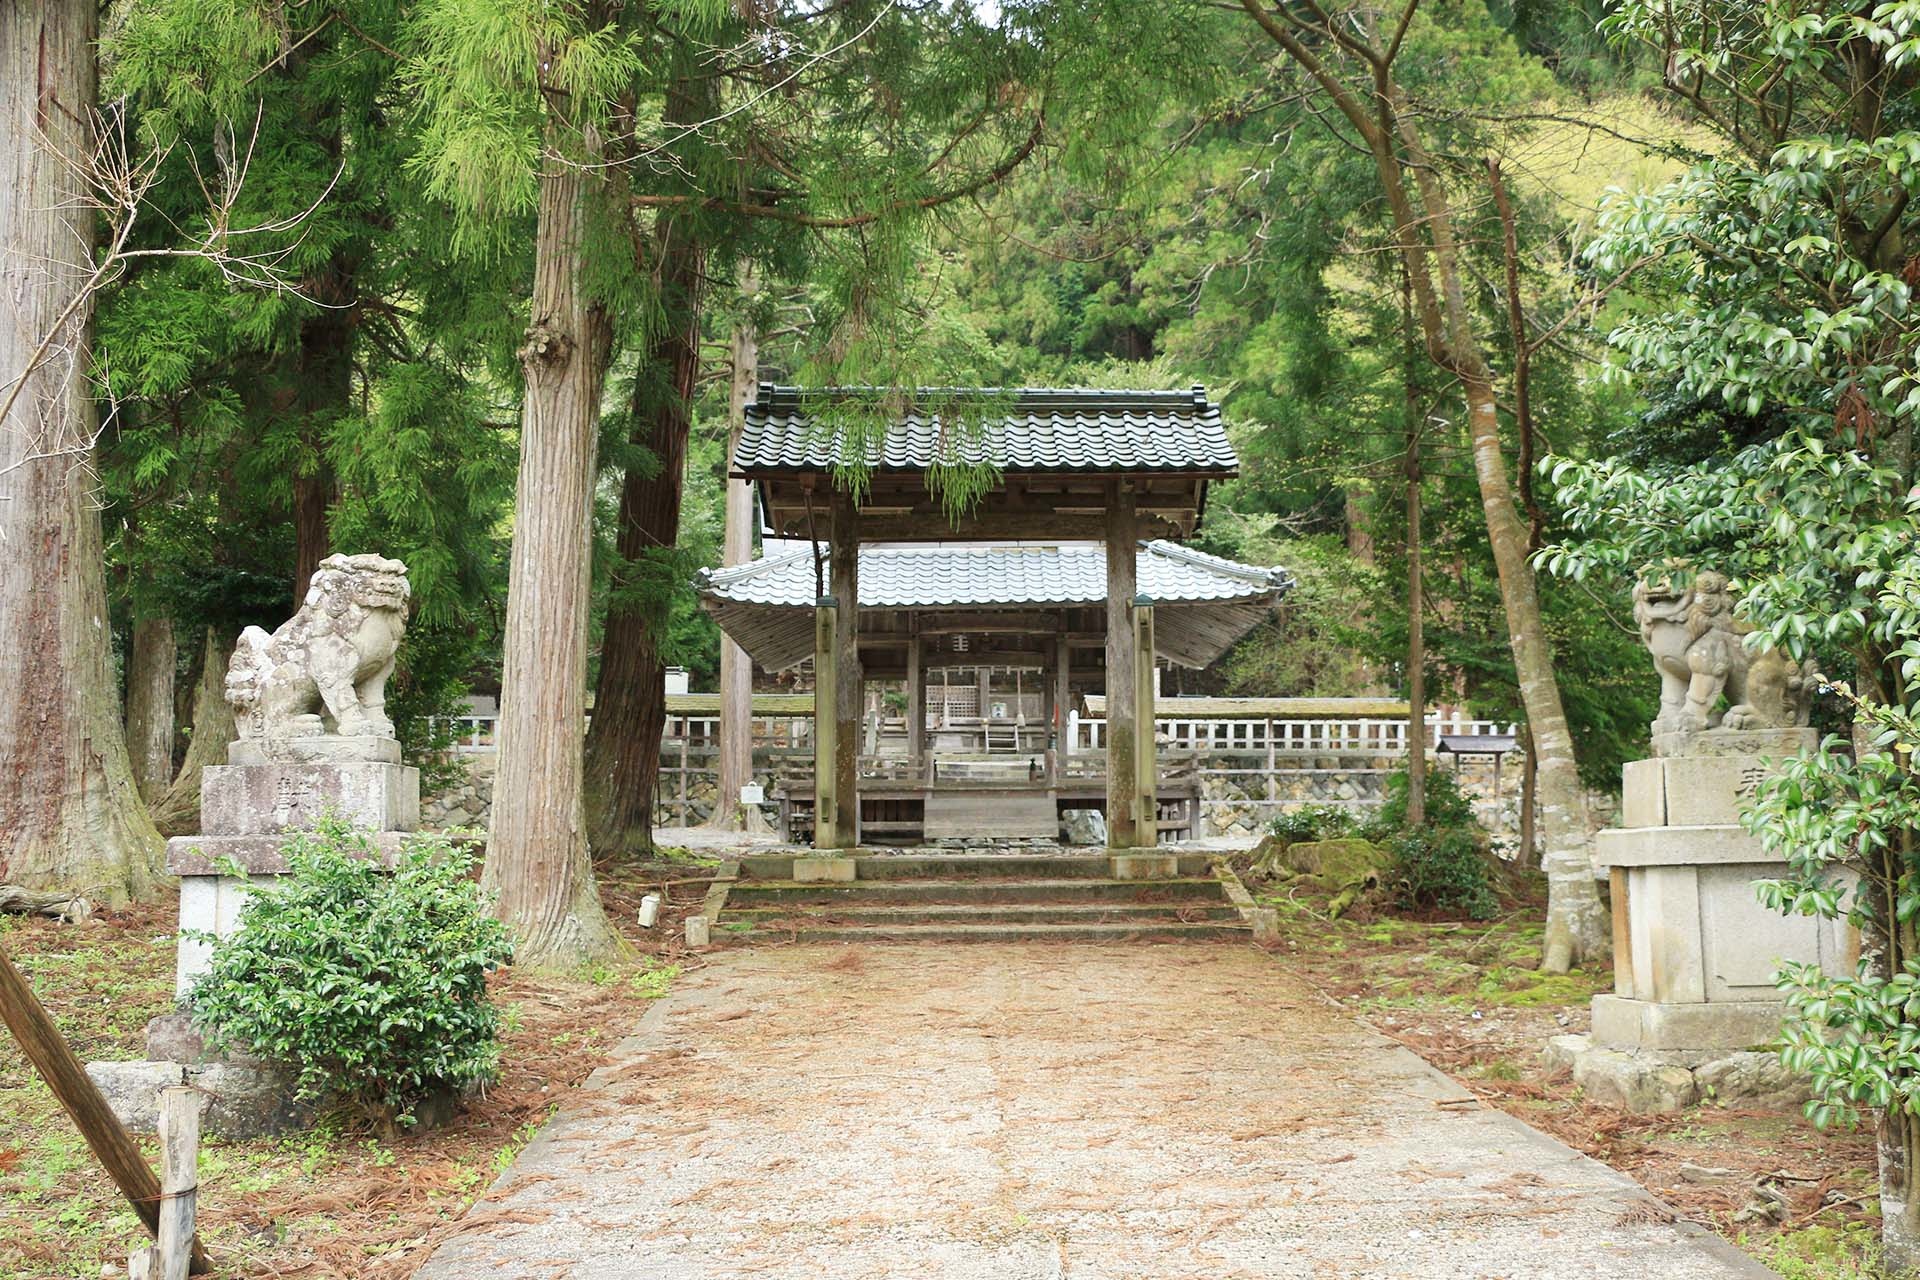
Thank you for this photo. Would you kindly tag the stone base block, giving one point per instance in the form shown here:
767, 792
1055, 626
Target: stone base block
1775, 743
1649, 1082
1622, 1023
831, 869
243, 1100
262, 855
1142, 866
264, 799
326, 748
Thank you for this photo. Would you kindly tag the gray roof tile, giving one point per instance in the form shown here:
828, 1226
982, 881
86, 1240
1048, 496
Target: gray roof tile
937, 576
1040, 429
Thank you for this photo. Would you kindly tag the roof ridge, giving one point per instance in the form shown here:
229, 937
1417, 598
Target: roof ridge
1205, 559
790, 394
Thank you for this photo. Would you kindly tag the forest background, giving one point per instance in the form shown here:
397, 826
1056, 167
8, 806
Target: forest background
1221, 237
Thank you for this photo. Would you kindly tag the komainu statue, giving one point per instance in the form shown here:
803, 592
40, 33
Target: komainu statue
1697, 648
326, 668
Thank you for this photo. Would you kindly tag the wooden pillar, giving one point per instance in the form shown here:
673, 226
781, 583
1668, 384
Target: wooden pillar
916, 699
845, 585
1122, 727
1062, 705
826, 678
1146, 773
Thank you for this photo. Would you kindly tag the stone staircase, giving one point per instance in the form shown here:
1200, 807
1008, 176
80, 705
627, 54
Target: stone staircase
976, 897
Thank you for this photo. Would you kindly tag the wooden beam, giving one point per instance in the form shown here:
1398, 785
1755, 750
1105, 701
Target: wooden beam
1122, 726
848, 703
791, 522
916, 699
826, 806
41, 1043
1146, 779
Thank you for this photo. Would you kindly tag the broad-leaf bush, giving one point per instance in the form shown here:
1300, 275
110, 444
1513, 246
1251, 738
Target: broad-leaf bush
368, 984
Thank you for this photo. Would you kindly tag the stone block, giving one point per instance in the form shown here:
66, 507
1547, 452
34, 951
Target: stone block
1681, 846
1642, 1084
265, 799
255, 855
1143, 866
1266, 924
1564, 1051
1620, 1023
826, 869
1752, 1080
243, 1101
208, 905
1643, 794
699, 930
1776, 744
320, 749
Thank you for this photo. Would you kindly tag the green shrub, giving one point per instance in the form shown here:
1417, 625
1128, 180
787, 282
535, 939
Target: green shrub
1443, 869
1448, 807
367, 984
1313, 822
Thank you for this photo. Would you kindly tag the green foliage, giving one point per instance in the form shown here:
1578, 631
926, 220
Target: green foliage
1441, 865
1313, 822
366, 983
1444, 869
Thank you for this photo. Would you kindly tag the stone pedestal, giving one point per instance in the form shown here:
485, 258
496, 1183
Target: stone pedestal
269, 788
1694, 950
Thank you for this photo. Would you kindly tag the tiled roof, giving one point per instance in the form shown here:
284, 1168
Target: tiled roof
948, 576
1028, 429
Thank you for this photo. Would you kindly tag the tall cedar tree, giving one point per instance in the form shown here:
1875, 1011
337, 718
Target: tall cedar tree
70, 816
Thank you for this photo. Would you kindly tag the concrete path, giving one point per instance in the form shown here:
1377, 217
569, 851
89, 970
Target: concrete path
1006, 1112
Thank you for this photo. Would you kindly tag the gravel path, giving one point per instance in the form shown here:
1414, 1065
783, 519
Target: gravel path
1006, 1112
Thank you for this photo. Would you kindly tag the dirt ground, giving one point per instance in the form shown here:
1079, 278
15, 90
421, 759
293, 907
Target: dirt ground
1033, 1110
1466, 996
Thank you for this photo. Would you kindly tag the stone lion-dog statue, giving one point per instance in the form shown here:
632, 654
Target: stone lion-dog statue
1698, 649
326, 668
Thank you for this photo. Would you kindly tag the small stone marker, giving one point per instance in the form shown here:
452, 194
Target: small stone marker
699, 931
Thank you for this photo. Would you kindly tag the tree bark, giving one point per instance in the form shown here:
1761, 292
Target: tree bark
1416, 593
150, 662
736, 667
629, 705
70, 816
537, 866
177, 813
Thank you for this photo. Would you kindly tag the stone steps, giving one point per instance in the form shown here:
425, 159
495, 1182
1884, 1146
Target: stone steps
808, 931
1191, 912
987, 897
762, 892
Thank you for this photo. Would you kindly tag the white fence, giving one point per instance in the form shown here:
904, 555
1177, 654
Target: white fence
1299, 737
1351, 737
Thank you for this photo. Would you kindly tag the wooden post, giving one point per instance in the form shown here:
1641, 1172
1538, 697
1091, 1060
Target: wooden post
41, 1043
1146, 773
179, 1178
734, 767
1122, 724
1062, 705
916, 699
846, 708
143, 1263
826, 811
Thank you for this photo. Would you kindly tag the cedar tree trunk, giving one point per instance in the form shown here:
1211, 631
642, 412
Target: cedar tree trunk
537, 864
70, 816
629, 703
150, 663
177, 813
